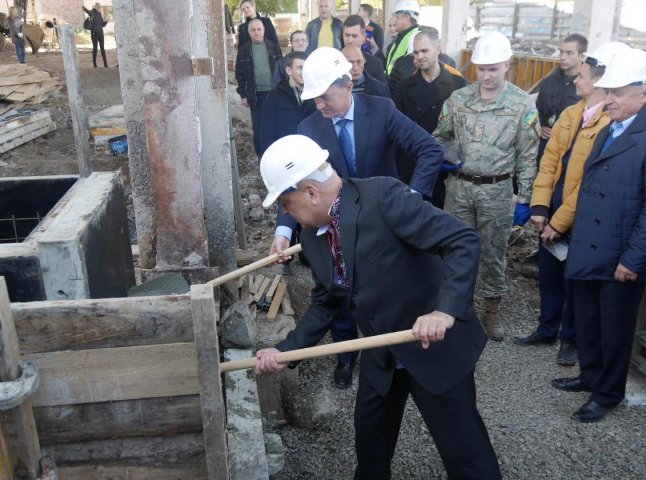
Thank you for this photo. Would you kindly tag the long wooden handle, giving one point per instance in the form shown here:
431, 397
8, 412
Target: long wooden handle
254, 266
394, 338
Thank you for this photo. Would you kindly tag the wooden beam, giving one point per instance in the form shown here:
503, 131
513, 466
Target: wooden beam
275, 303
286, 304
18, 425
193, 470
261, 290
205, 319
272, 287
108, 374
102, 323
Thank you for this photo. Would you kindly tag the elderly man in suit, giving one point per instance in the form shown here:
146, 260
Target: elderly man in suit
607, 255
361, 133
371, 241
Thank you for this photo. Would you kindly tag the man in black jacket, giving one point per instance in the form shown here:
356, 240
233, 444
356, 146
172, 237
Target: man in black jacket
421, 97
254, 66
354, 230
362, 82
283, 109
354, 33
373, 30
248, 10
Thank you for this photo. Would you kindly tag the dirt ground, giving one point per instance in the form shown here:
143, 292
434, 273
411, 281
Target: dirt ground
528, 421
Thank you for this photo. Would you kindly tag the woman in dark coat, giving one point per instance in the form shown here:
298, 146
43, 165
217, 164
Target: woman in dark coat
96, 31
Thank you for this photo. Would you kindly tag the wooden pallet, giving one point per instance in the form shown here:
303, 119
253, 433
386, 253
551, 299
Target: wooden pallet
24, 83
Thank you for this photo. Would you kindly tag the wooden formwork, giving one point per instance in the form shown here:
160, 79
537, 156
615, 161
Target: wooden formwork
129, 387
526, 71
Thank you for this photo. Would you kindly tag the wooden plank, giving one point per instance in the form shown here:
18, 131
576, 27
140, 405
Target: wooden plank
25, 130
23, 119
108, 374
205, 319
5, 147
286, 304
272, 288
261, 290
275, 304
124, 419
102, 323
192, 470
18, 425
256, 284
6, 468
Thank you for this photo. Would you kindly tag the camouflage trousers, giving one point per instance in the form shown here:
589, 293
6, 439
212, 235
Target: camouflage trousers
489, 210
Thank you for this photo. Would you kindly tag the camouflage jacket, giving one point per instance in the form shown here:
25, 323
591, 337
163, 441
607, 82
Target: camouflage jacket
491, 138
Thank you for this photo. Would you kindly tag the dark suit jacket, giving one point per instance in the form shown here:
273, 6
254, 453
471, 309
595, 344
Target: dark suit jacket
374, 67
404, 259
371, 86
378, 129
610, 222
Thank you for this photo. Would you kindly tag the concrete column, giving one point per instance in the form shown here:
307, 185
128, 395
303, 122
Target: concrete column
598, 20
389, 9
215, 147
454, 27
127, 38
173, 132
353, 6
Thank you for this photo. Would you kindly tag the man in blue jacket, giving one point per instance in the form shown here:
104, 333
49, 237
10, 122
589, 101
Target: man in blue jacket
607, 254
361, 134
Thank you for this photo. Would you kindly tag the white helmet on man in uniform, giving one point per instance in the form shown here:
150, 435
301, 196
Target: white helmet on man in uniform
626, 68
322, 68
410, 7
491, 48
290, 160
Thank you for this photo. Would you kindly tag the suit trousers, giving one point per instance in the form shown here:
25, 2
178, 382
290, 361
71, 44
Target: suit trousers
452, 419
344, 328
605, 318
256, 112
556, 298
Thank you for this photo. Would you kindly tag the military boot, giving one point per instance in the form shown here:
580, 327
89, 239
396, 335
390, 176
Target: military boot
492, 324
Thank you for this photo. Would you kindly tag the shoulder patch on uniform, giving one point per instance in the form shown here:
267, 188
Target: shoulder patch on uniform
531, 118
445, 110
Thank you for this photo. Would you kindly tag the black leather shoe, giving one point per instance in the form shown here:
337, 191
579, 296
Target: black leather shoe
590, 412
567, 354
570, 384
343, 375
534, 339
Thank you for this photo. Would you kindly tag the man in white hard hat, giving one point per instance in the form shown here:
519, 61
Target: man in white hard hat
406, 14
607, 253
395, 262
489, 131
362, 133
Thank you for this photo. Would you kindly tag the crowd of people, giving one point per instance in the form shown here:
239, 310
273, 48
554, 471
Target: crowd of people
402, 182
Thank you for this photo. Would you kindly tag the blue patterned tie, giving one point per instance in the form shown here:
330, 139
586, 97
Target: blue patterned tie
346, 147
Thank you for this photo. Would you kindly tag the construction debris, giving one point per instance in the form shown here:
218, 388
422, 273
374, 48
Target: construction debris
107, 124
18, 126
24, 83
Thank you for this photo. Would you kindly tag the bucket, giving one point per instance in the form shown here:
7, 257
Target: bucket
118, 145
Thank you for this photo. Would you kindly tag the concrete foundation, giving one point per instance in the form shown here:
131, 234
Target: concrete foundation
80, 248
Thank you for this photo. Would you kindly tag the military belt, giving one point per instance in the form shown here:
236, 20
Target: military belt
482, 180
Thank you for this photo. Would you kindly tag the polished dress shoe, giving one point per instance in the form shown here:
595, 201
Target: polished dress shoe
570, 384
534, 339
567, 354
590, 412
343, 375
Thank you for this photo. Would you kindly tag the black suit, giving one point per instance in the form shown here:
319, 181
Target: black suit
404, 259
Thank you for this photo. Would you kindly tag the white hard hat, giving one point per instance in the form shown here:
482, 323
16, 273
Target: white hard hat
626, 68
408, 6
601, 56
289, 160
322, 68
492, 47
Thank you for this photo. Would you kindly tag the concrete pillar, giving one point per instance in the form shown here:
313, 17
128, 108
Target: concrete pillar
353, 6
454, 27
127, 36
209, 43
599, 28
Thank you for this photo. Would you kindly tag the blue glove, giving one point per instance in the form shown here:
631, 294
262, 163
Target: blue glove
521, 214
450, 167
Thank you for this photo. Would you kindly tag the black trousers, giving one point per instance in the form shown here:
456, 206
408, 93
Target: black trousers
98, 39
452, 419
256, 110
605, 314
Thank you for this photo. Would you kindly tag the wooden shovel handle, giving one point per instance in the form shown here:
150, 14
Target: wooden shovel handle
394, 338
271, 259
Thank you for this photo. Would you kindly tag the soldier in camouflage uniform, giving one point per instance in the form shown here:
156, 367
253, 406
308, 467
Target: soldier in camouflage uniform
490, 131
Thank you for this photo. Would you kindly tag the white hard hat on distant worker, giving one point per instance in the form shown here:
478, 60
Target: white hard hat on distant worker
602, 56
408, 6
492, 47
626, 68
290, 160
322, 68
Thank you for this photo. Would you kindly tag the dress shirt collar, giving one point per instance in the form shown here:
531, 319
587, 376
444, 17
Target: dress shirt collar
617, 128
349, 115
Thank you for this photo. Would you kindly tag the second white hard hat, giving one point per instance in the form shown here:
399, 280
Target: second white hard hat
602, 56
290, 160
626, 68
408, 6
492, 47
322, 68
